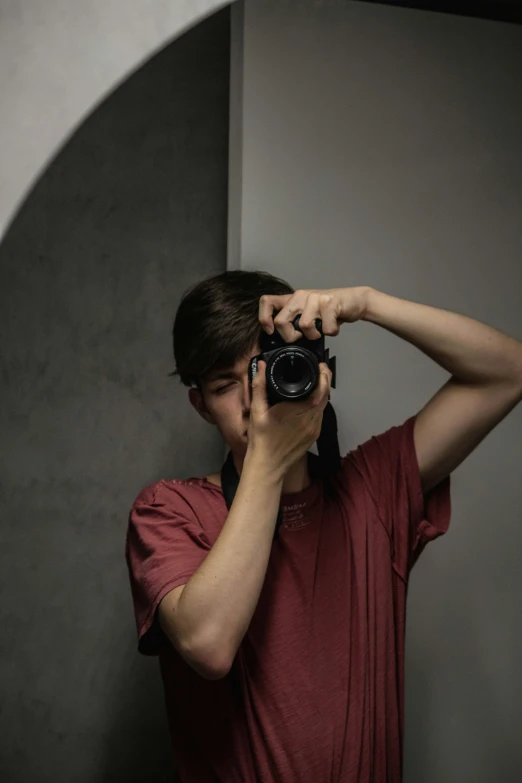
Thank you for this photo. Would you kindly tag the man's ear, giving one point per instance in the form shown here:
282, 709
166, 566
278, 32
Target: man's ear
197, 401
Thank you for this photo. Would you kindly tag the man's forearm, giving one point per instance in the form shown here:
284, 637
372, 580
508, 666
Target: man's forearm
468, 349
218, 601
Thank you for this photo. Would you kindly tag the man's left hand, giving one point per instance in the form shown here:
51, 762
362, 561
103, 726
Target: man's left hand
334, 306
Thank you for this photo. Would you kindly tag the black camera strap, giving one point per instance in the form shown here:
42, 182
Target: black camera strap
325, 464
329, 460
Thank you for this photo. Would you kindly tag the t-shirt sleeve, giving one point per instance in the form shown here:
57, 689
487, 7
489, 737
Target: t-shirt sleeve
388, 463
165, 545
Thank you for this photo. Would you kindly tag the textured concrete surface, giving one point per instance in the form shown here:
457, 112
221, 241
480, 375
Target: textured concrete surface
131, 212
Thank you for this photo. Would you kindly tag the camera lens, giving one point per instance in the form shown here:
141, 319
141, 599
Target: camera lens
292, 371
294, 374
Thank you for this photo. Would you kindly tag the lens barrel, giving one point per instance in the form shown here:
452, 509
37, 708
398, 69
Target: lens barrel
292, 373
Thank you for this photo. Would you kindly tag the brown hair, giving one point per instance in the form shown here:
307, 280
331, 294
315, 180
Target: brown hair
217, 321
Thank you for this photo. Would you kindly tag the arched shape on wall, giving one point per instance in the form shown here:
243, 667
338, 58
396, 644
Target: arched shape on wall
59, 60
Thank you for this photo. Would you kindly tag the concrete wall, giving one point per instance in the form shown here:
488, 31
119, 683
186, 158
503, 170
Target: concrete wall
131, 212
382, 146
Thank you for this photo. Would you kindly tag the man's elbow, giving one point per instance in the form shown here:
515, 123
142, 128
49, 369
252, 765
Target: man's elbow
210, 660
203, 649
210, 672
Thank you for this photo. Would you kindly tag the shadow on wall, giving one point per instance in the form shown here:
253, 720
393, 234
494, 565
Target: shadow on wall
132, 211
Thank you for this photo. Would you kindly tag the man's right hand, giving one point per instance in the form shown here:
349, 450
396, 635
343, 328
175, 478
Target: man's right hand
281, 434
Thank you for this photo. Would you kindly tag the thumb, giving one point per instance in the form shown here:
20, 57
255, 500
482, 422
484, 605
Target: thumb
259, 385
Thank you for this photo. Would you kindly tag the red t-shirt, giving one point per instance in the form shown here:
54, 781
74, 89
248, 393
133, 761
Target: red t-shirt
316, 693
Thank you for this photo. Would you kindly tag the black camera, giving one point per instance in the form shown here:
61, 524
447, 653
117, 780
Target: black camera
292, 369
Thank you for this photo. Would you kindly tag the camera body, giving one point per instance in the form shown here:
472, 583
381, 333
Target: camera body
292, 369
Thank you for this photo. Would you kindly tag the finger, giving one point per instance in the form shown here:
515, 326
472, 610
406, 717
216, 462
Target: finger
309, 316
327, 386
259, 379
322, 389
267, 304
283, 323
259, 387
328, 314
324, 368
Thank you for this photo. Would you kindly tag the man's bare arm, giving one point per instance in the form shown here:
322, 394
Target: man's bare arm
485, 383
207, 618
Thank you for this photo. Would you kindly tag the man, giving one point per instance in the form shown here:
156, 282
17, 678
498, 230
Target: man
283, 660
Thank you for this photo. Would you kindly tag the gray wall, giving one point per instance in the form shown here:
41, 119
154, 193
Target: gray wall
132, 211
58, 59
383, 146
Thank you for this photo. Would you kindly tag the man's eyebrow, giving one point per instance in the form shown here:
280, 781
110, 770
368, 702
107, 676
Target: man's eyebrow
224, 375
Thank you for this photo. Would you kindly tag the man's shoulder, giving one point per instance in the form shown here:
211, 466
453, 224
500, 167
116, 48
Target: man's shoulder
148, 493
387, 438
157, 490
172, 491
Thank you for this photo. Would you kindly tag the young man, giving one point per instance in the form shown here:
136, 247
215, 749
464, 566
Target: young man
283, 659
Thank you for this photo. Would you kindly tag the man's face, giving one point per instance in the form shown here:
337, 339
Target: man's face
225, 401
